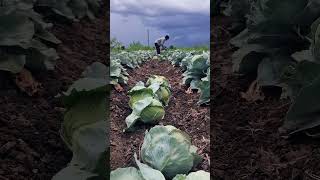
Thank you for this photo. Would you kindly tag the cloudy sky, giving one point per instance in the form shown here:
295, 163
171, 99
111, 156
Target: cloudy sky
186, 21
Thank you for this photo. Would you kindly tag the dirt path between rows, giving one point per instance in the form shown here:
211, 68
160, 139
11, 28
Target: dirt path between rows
182, 112
30, 144
246, 143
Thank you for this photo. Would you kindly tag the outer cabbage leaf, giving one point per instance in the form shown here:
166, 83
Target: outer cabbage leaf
147, 172
304, 112
129, 173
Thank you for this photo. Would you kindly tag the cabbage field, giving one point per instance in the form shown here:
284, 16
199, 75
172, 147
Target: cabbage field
266, 64
53, 85
160, 115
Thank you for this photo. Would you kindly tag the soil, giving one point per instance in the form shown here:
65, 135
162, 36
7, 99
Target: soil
30, 143
246, 143
182, 112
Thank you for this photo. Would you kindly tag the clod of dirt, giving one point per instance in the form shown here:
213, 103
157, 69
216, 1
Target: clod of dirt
119, 88
26, 83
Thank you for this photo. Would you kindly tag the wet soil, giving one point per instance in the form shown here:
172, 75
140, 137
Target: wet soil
182, 112
246, 143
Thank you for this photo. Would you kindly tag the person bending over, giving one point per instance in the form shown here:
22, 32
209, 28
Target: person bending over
159, 43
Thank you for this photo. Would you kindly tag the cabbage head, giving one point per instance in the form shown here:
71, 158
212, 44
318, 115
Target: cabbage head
139, 92
148, 110
199, 175
169, 150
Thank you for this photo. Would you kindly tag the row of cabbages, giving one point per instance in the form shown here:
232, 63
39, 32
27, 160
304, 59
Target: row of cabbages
166, 152
119, 61
194, 64
196, 68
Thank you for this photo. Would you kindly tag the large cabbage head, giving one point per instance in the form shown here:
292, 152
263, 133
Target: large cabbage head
169, 150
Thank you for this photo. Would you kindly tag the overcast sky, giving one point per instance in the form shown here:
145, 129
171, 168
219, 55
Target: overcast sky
186, 21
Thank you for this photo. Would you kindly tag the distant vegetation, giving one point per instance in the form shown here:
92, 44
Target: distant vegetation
136, 46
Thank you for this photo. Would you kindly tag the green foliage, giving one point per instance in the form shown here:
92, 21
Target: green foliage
274, 41
195, 65
160, 87
115, 45
194, 176
72, 9
84, 129
204, 88
129, 173
118, 74
147, 102
131, 59
281, 46
23, 38
197, 68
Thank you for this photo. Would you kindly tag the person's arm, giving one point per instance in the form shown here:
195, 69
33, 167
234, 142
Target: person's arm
162, 41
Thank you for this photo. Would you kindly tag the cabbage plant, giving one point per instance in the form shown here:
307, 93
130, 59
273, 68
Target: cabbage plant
196, 69
118, 73
148, 110
277, 36
139, 92
23, 38
169, 150
204, 88
84, 128
145, 106
176, 57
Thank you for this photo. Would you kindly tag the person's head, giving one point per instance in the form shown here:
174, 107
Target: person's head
167, 37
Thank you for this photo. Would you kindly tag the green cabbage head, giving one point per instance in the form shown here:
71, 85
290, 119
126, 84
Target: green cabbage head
139, 92
199, 175
148, 110
169, 150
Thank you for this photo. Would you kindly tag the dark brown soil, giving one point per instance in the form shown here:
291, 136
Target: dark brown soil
246, 143
182, 112
30, 144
